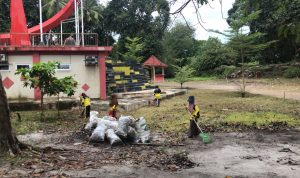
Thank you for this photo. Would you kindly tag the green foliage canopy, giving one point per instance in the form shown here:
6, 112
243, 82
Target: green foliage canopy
183, 74
278, 20
211, 54
143, 18
134, 49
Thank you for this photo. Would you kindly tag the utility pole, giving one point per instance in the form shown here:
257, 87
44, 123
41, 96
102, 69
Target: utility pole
82, 24
41, 22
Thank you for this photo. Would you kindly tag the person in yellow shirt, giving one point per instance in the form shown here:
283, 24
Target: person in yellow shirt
157, 93
113, 106
86, 103
195, 115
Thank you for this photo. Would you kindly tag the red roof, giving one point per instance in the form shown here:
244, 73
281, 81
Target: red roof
154, 62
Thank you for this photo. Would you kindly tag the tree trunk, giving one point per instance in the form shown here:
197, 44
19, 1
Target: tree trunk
42, 106
243, 75
58, 114
8, 141
181, 85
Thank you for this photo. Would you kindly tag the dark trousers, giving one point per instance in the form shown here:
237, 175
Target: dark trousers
87, 111
193, 130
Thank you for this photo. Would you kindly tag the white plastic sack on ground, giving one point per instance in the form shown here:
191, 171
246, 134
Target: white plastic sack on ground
109, 124
112, 137
132, 134
93, 121
109, 118
124, 122
89, 126
98, 134
142, 130
93, 116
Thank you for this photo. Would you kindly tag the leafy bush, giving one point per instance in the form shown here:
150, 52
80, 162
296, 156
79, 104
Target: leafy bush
224, 71
211, 55
228, 70
292, 72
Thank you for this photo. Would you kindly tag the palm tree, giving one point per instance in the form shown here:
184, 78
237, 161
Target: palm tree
92, 13
51, 7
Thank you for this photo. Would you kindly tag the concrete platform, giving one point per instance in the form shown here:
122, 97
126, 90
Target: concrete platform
128, 101
134, 100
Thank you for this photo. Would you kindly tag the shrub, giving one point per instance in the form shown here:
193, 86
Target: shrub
292, 72
228, 70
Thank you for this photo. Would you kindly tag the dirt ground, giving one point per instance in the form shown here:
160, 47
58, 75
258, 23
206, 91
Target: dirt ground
256, 153
251, 154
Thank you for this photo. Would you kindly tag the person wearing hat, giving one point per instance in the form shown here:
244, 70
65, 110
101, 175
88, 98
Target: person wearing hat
86, 103
194, 110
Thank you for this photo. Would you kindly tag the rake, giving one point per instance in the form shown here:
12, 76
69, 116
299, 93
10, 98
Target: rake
203, 136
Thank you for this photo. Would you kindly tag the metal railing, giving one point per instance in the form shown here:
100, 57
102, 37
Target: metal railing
51, 39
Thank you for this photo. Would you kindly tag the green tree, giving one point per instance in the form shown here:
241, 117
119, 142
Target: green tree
183, 74
245, 43
179, 45
51, 7
42, 76
212, 54
8, 140
278, 21
134, 49
66, 85
4, 16
136, 18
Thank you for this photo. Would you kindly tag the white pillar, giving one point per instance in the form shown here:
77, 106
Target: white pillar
61, 33
76, 22
82, 24
41, 22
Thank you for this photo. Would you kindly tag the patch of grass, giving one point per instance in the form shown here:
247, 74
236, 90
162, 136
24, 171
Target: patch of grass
208, 78
217, 106
260, 118
31, 121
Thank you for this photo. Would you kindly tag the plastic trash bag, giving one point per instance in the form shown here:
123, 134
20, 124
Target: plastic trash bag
109, 124
123, 123
143, 131
109, 118
113, 138
93, 116
90, 126
98, 134
132, 134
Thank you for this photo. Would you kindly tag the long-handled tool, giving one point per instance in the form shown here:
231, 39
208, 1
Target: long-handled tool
204, 136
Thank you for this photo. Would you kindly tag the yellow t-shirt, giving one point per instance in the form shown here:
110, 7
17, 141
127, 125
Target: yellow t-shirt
196, 111
157, 95
87, 102
113, 108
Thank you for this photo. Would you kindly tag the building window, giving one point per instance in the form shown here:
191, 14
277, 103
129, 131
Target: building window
4, 67
23, 66
63, 67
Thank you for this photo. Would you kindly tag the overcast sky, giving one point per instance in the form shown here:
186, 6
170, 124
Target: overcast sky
211, 15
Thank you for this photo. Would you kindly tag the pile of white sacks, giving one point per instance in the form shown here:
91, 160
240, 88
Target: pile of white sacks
117, 131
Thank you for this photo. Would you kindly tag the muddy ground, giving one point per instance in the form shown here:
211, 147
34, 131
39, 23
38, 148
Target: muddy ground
251, 154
